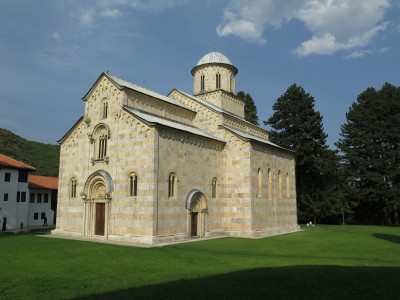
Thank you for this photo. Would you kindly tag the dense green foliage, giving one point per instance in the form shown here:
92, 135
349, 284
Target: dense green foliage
250, 109
43, 157
326, 262
297, 126
370, 143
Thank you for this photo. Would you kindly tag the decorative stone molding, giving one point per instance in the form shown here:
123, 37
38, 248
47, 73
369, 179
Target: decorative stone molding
83, 195
87, 120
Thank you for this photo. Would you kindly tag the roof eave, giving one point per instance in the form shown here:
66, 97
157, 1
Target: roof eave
70, 130
234, 69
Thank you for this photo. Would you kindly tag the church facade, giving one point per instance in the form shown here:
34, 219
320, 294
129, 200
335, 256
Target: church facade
147, 168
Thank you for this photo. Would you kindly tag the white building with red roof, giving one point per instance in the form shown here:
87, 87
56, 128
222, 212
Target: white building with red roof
42, 200
25, 199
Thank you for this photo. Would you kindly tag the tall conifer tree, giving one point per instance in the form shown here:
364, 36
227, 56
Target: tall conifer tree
250, 109
297, 126
370, 143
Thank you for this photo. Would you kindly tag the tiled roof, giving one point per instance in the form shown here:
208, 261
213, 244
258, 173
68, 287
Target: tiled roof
9, 162
43, 182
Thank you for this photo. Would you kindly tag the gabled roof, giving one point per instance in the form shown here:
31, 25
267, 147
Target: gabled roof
8, 162
43, 182
152, 119
120, 84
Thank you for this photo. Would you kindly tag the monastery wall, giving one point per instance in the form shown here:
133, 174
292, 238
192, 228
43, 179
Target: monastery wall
274, 196
195, 161
133, 153
74, 162
237, 191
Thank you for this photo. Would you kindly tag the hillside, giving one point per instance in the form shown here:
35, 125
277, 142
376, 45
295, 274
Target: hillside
43, 157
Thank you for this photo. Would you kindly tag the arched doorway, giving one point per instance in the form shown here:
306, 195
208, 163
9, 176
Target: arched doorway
97, 197
196, 206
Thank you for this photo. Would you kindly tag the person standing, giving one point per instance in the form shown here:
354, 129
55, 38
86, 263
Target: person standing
4, 227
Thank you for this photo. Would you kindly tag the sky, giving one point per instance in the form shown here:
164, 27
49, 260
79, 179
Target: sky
53, 51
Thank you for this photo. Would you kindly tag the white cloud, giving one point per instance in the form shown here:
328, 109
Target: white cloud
334, 24
113, 13
107, 8
361, 53
56, 36
86, 18
358, 54
248, 19
247, 30
328, 43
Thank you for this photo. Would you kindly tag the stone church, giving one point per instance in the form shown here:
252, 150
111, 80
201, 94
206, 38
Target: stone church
142, 167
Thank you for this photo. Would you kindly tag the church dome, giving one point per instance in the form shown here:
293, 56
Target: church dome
214, 57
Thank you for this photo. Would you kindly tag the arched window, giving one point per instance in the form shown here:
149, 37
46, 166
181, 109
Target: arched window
202, 79
287, 186
232, 84
214, 188
133, 181
102, 141
259, 193
104, 110
172, 186
218, 80
72, 192
280, 186
99, 139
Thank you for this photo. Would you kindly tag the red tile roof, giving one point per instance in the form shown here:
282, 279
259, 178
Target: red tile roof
43, 182
9, 162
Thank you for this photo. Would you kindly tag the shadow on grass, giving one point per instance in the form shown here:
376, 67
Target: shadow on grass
387, 237
36, 231
296, 282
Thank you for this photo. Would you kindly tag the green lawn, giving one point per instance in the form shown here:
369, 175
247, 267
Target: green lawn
326, 262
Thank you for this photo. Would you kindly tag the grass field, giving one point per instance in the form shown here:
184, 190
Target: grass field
326, 262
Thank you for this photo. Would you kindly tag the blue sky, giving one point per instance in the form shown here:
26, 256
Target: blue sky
52, 51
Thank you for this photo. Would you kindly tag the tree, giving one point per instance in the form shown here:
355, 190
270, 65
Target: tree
370, 144
250, 109
297, 126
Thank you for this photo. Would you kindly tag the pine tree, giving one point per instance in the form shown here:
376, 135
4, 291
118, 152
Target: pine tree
370, 143
250, 109
297, 126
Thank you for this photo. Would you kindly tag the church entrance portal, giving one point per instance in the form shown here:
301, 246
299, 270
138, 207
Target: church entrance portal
196, 206
97, 202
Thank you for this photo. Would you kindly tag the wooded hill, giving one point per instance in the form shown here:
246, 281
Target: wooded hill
43, 157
